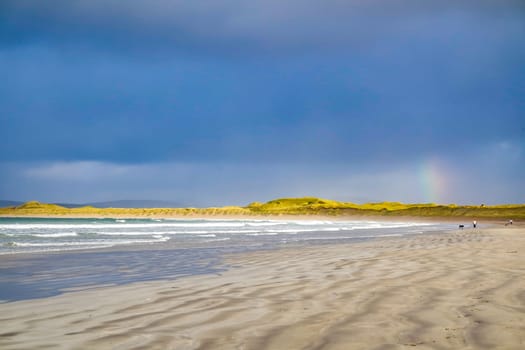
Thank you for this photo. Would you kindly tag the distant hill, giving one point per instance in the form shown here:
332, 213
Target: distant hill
69, 205
5, 203
138, 203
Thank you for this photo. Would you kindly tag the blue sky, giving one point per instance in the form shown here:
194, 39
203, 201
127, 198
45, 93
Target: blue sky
228, 102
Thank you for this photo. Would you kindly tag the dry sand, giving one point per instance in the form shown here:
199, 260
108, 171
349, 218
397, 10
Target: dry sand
460, 290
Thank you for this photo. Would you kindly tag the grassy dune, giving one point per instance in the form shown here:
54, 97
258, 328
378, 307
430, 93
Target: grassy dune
317, 206
283, 206
42, 209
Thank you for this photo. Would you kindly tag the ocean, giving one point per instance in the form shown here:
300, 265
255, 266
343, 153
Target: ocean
66, 254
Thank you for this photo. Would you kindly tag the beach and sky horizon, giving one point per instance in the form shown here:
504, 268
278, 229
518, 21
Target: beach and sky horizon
229, 103
286, 113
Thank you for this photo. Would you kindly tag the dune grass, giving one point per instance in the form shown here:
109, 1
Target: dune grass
312, 205
34, 208
283, 206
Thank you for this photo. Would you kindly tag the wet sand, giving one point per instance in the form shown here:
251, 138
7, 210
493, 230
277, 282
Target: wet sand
458, 290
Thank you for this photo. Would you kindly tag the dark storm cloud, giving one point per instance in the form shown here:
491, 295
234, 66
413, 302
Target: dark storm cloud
341, 99
231, 27
303, 110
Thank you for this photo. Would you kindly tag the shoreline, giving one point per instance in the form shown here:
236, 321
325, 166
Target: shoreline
460, 289
158, 261
277, 217
299, 218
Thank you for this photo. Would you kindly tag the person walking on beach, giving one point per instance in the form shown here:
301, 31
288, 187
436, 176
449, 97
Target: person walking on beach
474, 223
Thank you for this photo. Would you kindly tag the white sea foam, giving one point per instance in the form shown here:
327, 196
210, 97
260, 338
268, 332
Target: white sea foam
218, 239
217, 231
88, 243
210, 224
313, 222
68, 234
263, 234
265, 223
131, 233
130, 225
55, 235
59, 244
42, 235
56, 249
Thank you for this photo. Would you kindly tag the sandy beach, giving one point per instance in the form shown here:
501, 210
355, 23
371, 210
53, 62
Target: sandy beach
457, 290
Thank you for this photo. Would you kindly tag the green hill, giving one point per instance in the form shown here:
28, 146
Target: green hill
284, 206
318, 206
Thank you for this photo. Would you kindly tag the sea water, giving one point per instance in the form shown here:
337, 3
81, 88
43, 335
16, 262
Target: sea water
19, 235
72, 254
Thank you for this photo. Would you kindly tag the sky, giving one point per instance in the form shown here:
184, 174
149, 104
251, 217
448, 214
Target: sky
228, 102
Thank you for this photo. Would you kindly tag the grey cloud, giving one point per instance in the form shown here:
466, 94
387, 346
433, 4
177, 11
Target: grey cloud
232, 24
491, 175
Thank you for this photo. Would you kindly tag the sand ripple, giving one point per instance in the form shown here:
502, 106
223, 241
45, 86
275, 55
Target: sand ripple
462, 290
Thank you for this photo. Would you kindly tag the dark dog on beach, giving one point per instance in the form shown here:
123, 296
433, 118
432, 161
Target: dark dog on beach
461, 226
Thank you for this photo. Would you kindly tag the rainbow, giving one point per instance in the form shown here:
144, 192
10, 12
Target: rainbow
433, 180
